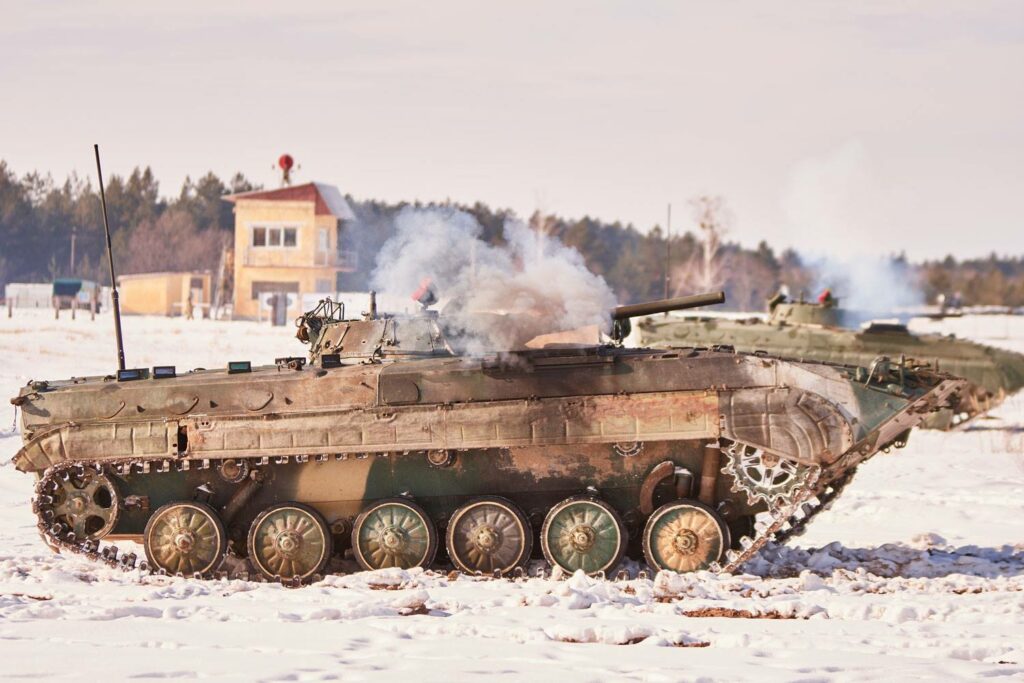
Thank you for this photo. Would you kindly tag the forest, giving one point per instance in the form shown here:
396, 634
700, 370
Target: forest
52, 229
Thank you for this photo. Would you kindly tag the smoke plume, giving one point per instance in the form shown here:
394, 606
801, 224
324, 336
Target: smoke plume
494, 298
866, 284
834, 208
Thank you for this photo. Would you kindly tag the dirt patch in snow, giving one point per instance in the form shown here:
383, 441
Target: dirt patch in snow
39, 598
737, 613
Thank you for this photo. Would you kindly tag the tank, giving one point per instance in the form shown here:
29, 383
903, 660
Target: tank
818, 331
390, 446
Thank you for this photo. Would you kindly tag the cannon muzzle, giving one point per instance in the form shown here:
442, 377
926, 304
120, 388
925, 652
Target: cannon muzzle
665, 305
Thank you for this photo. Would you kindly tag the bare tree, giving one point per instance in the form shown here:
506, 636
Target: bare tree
173, 242
705, 270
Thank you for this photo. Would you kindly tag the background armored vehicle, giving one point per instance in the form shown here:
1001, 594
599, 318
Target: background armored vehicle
813, 331
390, 442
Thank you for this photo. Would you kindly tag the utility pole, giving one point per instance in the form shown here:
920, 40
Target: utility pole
668, 252
73, 231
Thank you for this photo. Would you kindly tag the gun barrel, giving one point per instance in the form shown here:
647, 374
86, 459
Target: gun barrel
665, 305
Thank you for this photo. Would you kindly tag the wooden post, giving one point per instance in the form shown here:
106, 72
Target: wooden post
56, 308
10, 307
74, 307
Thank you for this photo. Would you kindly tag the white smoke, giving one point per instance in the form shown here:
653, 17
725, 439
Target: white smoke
835, 209
495, 298
866, 284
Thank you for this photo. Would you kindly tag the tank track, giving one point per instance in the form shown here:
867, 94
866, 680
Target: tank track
821, 502
59, 538
787, 520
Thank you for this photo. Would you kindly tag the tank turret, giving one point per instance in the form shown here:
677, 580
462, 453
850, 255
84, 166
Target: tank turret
334, 339
806, 313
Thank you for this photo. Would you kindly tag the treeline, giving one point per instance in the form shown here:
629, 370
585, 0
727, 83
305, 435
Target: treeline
40, 219
994, 280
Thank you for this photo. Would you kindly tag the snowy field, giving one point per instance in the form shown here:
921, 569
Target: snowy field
917, 572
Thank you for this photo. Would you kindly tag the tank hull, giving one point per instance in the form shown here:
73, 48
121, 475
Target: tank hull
992, 373
633, 429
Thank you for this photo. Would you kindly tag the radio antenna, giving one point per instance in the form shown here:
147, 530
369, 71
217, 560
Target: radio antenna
110, 259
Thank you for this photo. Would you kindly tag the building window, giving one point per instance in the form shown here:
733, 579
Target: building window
259, 287
323, 286
196, 283
275, 237
324, 243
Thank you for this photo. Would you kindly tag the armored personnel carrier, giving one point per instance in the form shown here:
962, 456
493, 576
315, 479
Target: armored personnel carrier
391, 442
816, 331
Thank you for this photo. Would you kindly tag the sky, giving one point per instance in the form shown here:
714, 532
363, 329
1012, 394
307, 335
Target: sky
851, 128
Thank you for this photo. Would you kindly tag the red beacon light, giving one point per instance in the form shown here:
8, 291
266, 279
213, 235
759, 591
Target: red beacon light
286, 163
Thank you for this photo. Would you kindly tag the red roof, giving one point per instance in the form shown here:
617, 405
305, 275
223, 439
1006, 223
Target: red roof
326, 198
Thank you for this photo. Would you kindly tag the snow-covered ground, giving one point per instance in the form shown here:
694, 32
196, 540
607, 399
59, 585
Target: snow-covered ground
916, 572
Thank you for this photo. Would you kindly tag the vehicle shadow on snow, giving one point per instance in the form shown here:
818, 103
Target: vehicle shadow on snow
1006, 429
892, 560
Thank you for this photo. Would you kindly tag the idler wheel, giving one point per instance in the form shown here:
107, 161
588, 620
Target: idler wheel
684, 536
394, 532
583, 533
185, 538
489, 535
289, 540
85, 501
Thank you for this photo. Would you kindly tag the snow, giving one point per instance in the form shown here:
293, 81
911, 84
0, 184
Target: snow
916, 572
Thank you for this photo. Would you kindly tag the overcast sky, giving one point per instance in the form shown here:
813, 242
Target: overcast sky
849, 127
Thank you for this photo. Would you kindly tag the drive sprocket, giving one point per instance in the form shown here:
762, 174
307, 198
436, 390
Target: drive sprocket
78, 500
765, 476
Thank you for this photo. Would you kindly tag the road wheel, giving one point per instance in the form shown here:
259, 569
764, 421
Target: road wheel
289, 540
583, 533
489, 535
185, 538
394, 532
684, 536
